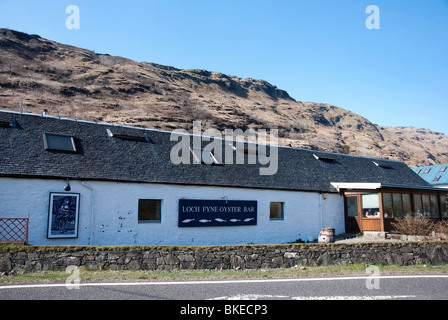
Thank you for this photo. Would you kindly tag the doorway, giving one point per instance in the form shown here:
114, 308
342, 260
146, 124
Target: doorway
352, 216
363, 213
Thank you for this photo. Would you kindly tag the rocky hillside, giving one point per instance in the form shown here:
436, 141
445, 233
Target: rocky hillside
38, 74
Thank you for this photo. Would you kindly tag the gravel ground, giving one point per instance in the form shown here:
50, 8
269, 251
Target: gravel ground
355, 238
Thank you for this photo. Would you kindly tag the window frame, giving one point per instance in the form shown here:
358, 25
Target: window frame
48, 147
443, 206
368, 198
282, 210
398, 208
143, 221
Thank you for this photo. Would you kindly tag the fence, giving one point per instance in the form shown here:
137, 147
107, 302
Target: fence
14, 230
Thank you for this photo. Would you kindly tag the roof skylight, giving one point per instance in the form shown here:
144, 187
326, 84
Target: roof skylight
10, 124
324, 158
59, 142
142, 138
382, 165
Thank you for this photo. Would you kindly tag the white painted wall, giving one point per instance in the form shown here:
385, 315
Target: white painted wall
115, 213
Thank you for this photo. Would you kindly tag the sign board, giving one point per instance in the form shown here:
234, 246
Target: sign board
216, 213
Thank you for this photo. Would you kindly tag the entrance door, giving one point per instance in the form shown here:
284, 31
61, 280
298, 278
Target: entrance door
352, 215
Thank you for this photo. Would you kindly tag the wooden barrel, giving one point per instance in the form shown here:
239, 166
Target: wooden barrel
326, 235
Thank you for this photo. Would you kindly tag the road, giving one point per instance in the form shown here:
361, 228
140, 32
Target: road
413, 287
261, 299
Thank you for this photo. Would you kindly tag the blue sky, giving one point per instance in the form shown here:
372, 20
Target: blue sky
317, 50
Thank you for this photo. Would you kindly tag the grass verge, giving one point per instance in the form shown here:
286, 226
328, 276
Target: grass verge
185, 275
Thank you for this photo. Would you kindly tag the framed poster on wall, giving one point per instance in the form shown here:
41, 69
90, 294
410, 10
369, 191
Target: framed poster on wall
63, 215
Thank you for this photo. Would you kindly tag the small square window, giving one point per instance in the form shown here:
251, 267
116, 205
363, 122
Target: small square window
276, 211
59, 142
443, 169
436, 178
149, 210
427, 170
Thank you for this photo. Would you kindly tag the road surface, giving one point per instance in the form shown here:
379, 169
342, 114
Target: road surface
413, 287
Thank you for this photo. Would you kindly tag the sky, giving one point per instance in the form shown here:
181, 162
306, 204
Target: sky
389, 65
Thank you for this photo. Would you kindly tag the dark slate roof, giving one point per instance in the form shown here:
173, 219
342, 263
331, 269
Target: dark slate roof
101, 157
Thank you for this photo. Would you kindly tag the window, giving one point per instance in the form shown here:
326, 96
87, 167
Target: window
444, 204
434, 206
388, 208
443, 169
418, 171
427, 170
418, 204
352, 206
436, 178
8, 124
396, 205
370, 205
276, 211
59, 142
149, 210
383, 165
426, 205
324, 158
407, 206
142, 138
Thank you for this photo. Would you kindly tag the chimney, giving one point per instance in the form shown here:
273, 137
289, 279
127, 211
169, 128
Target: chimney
45, 112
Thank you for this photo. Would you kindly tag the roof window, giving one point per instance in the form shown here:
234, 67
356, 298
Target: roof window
8, 124
382, 165
443, 169
427, 170
324, 159
59, 142
142, 138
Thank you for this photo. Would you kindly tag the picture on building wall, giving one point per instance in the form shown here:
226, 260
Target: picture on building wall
63, 215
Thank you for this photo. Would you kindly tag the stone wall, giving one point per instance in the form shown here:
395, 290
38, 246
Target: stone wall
35, 259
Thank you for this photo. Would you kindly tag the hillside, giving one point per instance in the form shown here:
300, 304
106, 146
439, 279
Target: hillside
78, 83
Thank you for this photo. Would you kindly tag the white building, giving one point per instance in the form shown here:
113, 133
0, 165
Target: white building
87, 183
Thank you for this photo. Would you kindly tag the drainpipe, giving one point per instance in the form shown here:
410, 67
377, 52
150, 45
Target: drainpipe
92, 215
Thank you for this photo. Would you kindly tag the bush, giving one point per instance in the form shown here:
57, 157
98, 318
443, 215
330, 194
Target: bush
441, 229
413, 225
